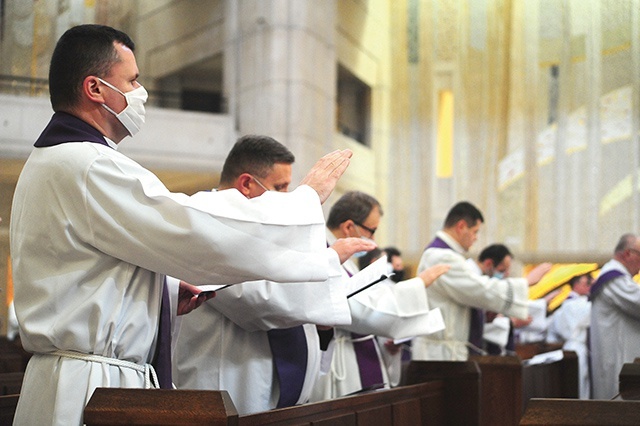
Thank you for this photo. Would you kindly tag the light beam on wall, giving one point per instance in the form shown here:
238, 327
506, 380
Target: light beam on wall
444, 145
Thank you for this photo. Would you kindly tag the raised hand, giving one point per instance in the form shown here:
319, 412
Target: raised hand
538, 272
324, 175
432, 273
347, 247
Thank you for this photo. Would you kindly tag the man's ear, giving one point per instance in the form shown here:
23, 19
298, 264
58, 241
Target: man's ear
346, 227
243, 184
487, 264
92, 89
461, 225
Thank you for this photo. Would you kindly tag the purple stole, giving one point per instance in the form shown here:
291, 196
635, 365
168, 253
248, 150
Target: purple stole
66, 128
438, 243
289, 350
162, 359
367, 358
602, 280
476, 326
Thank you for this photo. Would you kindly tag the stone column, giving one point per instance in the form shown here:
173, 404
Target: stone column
280, 73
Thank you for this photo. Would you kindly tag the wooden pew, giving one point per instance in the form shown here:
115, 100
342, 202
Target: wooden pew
410, 405
115, 406
13, 358
629, 382
581, 412
418, 404
8, 404
461, 387
443, 394
10, 383
508, 385
501, 389
624, 409
553, 380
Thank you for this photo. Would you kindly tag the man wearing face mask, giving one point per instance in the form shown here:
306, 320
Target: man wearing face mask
361, 360
94, 236
493, 261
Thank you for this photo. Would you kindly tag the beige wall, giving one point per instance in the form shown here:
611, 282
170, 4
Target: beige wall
550, 190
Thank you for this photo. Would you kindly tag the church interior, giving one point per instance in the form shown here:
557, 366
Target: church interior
528, 109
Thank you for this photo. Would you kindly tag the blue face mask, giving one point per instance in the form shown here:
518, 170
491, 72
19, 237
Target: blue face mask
362, 253
498, 275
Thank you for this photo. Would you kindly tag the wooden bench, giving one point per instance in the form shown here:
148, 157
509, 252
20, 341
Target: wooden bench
581, 412
10, 383
624, 409
13, 358
410, 405
461, 386
8, 404
629, 382
507, 385
444, 393
419, 404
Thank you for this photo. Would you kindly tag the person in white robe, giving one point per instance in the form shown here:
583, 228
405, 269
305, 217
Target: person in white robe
93, 235
491, 333
569, 325
392, 312
460, 289
615, 317
225, 344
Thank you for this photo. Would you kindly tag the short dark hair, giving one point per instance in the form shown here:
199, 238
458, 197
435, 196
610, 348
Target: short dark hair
82, 51
495, 252
463, 211
354, 205
391, 251
254, 154
626, 241
574, 280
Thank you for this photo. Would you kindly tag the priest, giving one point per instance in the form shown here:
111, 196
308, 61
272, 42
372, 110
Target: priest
615, 318
94, 234
461, 288
262, 341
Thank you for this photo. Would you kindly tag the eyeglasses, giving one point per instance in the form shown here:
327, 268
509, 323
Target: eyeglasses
260, 183
372, 231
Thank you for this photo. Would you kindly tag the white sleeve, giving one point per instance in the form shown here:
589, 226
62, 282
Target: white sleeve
460, 284
211, 238
263, 305
392, 310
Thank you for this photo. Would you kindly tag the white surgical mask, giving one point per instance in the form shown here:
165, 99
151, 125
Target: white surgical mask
132, 117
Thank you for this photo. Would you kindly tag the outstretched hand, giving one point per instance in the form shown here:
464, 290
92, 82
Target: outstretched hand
432, 273
347, 247
191, 297
324, 175
538, 272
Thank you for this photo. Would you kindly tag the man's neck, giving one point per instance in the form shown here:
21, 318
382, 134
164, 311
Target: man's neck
337, 233
452, 234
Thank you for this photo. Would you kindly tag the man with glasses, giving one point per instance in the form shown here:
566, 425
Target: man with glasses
361, 361
615, 317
